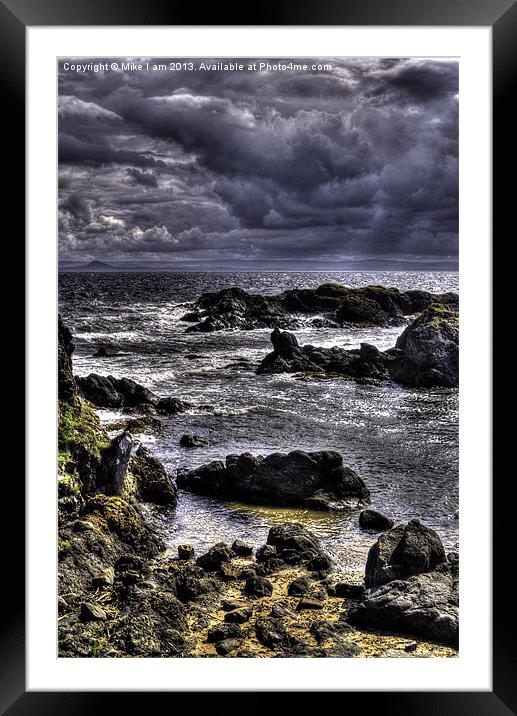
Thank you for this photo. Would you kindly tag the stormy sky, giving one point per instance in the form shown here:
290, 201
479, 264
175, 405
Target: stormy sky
357, 160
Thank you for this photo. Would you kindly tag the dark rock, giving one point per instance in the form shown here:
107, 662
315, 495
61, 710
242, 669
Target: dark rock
226, 646
375, 521
214, 558
411, 647
295, 478
425, 605
103, 352
223, 631
322, 631
190, 585
247, 573
105, 578
349, 591
112, 471
110, 392
321, 563
299, 587
266, 552
241, 549
228, 605
228, 572
185, 551
309, 603
403, 551
238, 616
430, 347
193, 441
91, 612
66, 385
153, 483
171, 406
282, 611
234, 308
258, 587
295, 538
272, 633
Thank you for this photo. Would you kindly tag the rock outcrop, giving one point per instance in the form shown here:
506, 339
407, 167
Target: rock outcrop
328, 305
425, 354
430, 346
109, 392
316, 480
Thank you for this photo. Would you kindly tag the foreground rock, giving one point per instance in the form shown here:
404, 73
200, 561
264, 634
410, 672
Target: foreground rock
374, 521
109, 392
329, 305
403, 551
425, 605
153, 483
316, 480
425, 354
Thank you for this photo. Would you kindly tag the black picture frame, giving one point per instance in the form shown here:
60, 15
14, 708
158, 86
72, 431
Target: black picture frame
501, 15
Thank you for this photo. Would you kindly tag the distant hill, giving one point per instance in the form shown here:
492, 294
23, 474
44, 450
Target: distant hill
97, 266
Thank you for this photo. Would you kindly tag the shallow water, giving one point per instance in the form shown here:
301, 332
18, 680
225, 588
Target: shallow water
403, 442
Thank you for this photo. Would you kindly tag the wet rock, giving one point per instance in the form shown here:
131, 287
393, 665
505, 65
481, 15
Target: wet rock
258, 587
299, 587
214, 558
223, 631
104, 352
90, 612
295, 539
403, 551
238, 616
425, 605
110, 392
226, 646
153, 483
185, 551
170, 406
430, 347
296, 478
328, 305
266, 552
375, 521
193, 441
309, 603
241, 549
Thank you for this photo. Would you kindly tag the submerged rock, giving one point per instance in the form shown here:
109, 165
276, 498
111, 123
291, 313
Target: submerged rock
317, 480
193, 441
330, 305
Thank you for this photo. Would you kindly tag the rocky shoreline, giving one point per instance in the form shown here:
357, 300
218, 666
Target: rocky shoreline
122, 594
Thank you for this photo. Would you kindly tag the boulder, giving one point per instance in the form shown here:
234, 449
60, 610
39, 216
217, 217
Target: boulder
314, 480
153, 483
299, 587
226, 646
111, 476
223, 631
403, 551
258, 587
430, 347
109, 392
295, 539
424, 605
214, 558
238, 616
185, 551
375, 521
242, 549
193, 441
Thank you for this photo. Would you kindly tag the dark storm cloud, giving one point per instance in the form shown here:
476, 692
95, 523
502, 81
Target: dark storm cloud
361, 158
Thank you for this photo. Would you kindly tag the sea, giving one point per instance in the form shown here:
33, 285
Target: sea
403, 442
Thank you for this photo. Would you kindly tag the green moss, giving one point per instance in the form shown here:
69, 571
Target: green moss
79, 425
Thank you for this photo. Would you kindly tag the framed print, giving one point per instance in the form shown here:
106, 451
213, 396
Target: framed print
259, 293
